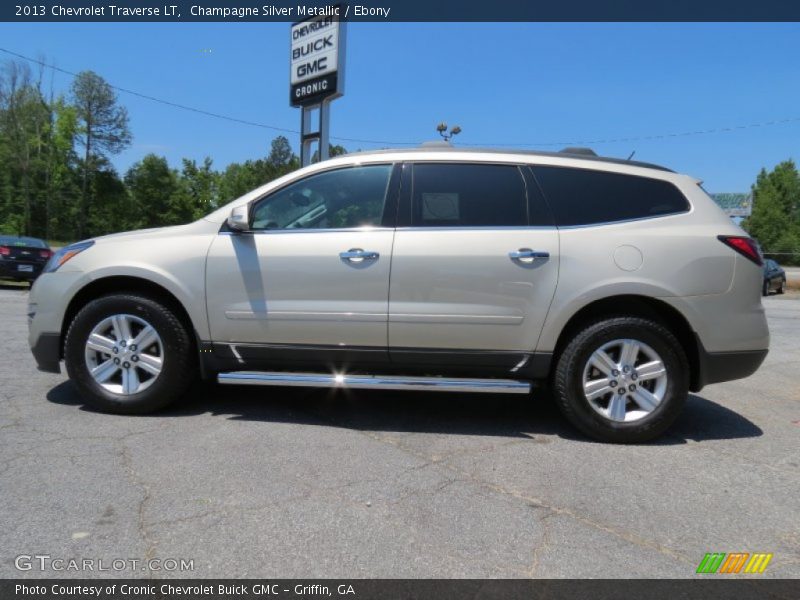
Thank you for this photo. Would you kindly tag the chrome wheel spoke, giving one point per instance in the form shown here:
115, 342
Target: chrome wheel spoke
650, 370
146, 338
151, 364
630, 350
122, 327
616, 408
602, 361
100, 343
104, 371
130, 381
645, 399
596, 388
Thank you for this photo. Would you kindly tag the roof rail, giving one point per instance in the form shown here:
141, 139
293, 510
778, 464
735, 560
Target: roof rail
578, 150
436, 144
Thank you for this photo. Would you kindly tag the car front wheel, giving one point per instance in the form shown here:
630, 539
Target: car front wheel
128, 354
622, 379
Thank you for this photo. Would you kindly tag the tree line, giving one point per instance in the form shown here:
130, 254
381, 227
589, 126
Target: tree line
775, 220
57, 181
56, 177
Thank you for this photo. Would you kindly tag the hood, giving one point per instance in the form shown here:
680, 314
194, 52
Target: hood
200, 226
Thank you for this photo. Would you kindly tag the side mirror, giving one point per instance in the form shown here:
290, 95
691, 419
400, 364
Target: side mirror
238, 220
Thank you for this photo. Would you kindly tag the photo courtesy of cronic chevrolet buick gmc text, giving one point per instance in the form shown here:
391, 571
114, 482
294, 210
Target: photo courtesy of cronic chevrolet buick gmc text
618, 284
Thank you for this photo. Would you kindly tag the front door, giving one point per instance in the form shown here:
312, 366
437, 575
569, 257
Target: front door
313, 270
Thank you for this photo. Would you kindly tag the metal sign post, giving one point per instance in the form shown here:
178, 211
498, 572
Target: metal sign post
308, 135
316, 78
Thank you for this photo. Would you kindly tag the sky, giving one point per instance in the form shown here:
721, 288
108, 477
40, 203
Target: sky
543, 85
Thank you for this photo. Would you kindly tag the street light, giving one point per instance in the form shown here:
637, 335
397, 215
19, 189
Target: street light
442, 129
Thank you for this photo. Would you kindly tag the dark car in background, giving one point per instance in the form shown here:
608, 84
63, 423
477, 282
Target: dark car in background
774, 278
22, 258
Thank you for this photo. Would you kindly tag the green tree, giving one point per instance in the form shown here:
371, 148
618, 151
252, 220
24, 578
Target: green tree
155, 192
775, 221
103, 130
200, 187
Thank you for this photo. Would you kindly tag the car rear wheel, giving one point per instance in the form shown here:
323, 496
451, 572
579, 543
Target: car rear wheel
782, 288
622, 379
128, 354
765, 289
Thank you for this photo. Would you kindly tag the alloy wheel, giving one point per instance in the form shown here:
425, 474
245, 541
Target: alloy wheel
124, 354
624, 380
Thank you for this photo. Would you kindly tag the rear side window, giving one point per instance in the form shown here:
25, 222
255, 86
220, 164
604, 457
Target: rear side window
585, 197
468, 195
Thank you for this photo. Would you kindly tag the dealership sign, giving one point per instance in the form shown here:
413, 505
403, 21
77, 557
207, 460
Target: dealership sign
317, 60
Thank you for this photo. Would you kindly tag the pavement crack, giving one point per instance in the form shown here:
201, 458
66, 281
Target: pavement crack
142, 525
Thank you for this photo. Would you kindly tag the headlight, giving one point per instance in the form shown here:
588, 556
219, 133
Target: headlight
63, 255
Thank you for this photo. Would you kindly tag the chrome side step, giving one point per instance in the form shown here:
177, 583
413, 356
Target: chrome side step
381, 382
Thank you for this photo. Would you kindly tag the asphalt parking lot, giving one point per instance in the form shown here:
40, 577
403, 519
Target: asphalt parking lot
295, 482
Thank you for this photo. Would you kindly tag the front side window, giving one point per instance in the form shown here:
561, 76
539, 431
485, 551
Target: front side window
345, 198
585, 196
468, 195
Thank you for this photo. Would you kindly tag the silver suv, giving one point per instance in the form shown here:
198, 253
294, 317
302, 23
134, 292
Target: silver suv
619, 285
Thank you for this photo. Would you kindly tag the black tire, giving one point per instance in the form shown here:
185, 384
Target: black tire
568, 379
178, 368
765, 289
782, 287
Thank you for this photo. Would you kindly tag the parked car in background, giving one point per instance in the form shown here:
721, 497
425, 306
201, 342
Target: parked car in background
619, 284
22, 258
774, 278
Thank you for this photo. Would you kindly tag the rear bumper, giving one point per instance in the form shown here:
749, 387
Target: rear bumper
716, 367
10, 270
47, 352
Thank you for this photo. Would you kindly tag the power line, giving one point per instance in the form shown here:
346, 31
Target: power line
215, 115
197, 110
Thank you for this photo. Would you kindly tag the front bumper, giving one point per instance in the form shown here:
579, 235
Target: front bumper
47, 352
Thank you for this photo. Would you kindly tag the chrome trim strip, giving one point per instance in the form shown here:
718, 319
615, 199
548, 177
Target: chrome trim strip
482, 228
383, 382
451, 319
292, 315
309, 230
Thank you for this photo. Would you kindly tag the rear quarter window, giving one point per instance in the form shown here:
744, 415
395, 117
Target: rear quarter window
587, 197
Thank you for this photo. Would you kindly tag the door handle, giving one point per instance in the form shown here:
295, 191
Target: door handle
527, 255
357, 255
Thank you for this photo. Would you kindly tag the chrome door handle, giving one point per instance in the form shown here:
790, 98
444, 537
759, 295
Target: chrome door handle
527, 255
357, 255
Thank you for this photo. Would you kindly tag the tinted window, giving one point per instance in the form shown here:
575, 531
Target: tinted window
582, 196
22, 241
468, 195
344, 198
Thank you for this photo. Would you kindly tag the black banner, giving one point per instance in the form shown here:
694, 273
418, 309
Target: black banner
710, 588
401, 10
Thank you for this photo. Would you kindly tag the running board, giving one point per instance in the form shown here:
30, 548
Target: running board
377, 382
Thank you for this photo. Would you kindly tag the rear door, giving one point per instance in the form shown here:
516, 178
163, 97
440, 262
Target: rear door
474, 266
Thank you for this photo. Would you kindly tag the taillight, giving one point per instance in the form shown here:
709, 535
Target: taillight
5, 251
45, 253
744, 246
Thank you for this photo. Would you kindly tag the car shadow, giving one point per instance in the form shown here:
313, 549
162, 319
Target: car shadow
4, 285
498, 415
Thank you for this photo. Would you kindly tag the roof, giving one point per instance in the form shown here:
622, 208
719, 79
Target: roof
579, 155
